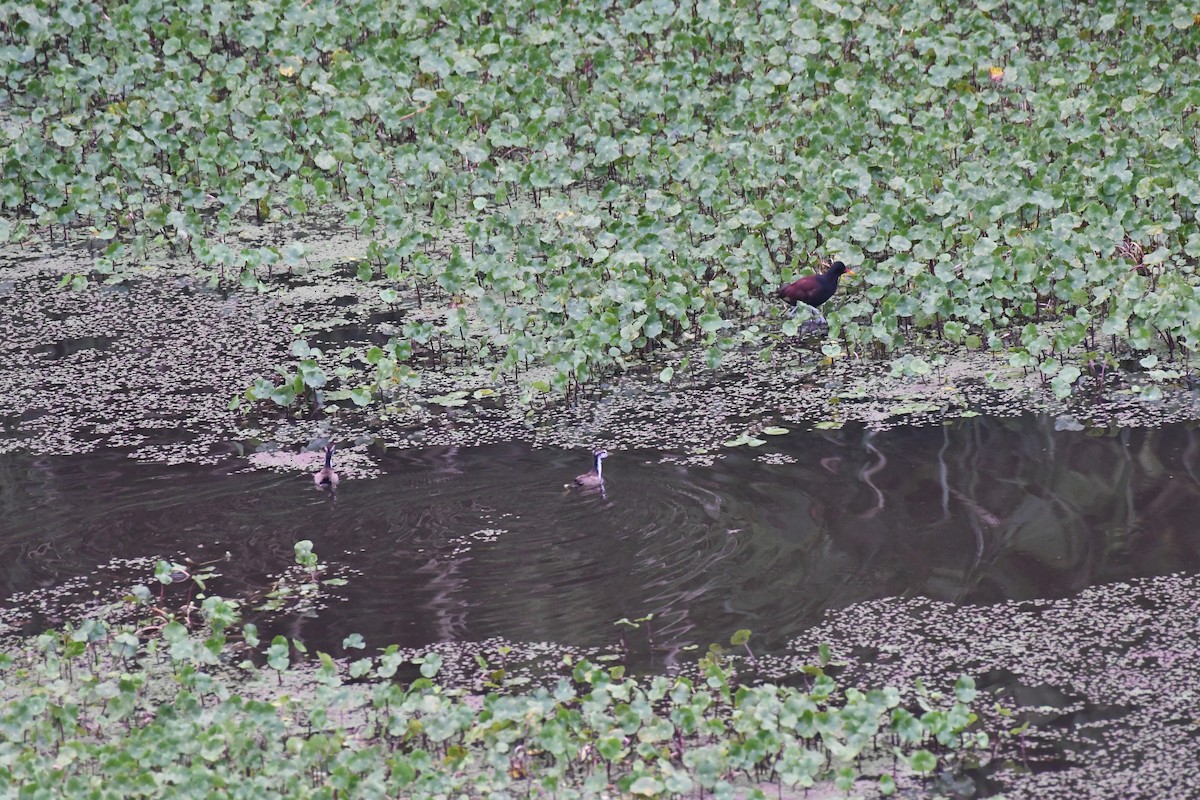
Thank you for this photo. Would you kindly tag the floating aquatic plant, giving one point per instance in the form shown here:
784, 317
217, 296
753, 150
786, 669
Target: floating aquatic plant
300, 723
1014, 178
1076, 682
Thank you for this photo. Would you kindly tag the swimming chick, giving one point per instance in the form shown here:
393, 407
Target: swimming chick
596, 476
325, 476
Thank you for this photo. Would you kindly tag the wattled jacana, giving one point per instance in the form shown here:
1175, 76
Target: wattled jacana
596, 476
814, 290
325, 476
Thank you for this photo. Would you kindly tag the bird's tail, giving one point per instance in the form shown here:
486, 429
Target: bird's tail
329, 456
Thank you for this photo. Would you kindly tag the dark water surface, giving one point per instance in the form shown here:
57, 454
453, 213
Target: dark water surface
465, 544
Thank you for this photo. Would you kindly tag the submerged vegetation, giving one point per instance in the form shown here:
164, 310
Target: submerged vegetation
565, 191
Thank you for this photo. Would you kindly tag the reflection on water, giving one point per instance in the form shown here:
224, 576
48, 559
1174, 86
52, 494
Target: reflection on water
466, 544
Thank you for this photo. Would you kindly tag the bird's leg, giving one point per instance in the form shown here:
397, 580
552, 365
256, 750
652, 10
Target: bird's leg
792, 313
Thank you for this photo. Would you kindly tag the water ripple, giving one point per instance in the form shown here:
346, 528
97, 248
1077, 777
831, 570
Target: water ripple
466, 544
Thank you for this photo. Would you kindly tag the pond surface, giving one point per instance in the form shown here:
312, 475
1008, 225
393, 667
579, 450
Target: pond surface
464, 544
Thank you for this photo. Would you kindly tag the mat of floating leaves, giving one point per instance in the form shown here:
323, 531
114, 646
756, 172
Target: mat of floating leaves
1106, 677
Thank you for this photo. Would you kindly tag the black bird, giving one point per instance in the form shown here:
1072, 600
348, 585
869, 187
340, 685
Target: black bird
325, 476
596, 476
813, 290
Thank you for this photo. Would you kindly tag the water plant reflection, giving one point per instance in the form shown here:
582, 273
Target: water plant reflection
981, 511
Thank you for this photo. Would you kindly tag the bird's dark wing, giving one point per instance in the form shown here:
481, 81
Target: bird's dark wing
803, 290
